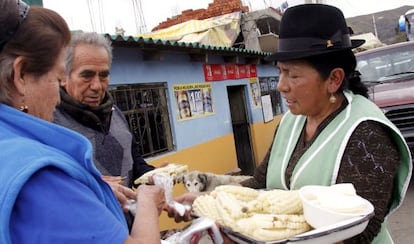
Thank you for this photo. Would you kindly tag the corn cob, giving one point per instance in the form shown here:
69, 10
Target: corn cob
225, 217
229, 202
275, 234
174, 170
280, 202
241, 193
205, 206
272, 227
275, 221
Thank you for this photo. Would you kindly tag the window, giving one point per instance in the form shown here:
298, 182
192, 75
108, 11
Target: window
268, 87
387, 63
145, 108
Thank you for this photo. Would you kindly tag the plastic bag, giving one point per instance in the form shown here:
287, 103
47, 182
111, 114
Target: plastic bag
165, 181
201, 229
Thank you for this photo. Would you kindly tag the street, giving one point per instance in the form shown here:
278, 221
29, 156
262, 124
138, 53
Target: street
401, 224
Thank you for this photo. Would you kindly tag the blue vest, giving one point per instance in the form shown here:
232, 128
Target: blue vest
28, 144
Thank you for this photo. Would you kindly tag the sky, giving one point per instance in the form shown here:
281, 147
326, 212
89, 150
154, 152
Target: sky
85, 14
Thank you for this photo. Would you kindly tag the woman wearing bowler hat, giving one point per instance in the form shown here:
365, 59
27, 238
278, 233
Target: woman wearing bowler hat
332, 132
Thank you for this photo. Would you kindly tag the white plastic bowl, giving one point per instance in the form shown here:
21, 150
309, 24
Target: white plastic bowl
324, 205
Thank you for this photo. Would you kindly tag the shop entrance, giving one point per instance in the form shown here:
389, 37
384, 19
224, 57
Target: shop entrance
241, 128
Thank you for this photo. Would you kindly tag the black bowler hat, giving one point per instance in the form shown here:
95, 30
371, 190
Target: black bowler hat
312, 29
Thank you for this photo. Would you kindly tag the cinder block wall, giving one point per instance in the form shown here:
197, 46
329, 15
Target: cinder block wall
217, 8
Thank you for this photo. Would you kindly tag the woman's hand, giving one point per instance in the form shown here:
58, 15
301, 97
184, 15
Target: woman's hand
186, 199
153, 194
149, 204
122, 193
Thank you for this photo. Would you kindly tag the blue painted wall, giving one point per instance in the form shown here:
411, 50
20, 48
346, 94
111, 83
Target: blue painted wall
176, 68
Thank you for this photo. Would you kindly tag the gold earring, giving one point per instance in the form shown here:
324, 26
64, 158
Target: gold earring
24, 107
332, 98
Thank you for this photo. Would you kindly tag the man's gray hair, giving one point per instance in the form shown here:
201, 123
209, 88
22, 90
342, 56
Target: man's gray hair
91, 38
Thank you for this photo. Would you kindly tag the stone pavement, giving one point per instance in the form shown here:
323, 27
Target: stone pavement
401, 223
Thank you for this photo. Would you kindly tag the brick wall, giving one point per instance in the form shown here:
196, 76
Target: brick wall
217, 8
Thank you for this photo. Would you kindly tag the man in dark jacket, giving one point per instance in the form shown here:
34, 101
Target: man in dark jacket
88, 108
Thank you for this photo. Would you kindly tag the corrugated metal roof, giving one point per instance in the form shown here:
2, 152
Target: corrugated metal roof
151, 43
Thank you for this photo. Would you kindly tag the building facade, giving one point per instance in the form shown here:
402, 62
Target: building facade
214, 109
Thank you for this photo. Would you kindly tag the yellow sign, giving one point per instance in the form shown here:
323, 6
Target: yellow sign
193, 100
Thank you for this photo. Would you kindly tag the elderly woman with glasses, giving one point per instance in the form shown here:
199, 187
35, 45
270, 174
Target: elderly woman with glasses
50, 190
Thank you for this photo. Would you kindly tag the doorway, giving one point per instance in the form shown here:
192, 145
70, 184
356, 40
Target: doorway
241, 128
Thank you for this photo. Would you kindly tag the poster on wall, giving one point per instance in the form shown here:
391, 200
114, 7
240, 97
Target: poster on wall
267, 108
193, 100
255, 91
215, 72
220, 72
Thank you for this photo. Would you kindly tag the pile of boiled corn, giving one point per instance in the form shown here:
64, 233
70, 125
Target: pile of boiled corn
261, 215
